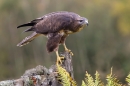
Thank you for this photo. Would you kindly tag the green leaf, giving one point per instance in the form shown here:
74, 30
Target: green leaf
83, 83
128, 79
112, 80
97, 80
89, 80
64, 77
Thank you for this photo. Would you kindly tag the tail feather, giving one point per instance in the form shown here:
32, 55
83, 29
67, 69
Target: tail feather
27, 24
28, 39
29, 29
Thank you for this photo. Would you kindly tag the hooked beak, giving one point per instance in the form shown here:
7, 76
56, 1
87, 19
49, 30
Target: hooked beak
86, 21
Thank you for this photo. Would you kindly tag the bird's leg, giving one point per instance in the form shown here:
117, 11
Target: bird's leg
58, 58
66, 49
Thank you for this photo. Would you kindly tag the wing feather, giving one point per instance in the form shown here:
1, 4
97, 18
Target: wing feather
54, 23
51, 23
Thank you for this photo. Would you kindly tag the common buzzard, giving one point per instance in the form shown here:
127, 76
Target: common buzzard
56, 26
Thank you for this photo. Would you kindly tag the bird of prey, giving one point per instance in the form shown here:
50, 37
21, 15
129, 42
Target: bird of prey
56, 26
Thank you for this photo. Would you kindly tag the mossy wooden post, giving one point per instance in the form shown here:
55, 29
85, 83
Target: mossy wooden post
41, 76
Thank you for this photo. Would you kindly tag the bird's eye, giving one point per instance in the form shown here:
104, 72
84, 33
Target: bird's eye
80, 20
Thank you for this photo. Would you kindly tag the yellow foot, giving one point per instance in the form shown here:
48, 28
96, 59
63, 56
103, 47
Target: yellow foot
67, 50
59, 60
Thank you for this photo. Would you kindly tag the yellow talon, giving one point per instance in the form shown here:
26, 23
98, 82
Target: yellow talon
59, 58
71, 53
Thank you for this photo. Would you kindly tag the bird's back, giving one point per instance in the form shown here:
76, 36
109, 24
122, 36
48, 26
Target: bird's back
54, 22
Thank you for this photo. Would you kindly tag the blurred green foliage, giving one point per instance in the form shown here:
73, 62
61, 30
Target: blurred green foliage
101, 45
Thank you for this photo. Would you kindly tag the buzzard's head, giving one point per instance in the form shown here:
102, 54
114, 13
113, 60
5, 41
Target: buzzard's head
79, 23
82, 21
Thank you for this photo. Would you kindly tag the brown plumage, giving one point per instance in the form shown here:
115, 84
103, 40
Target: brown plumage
56, 26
